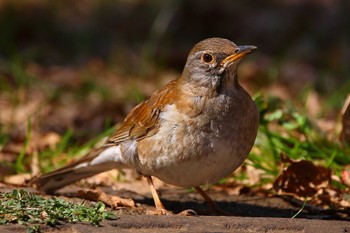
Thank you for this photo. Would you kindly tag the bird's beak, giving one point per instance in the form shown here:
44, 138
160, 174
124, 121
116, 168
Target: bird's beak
240, 53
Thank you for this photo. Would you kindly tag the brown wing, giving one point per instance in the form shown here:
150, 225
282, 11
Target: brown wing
142, 121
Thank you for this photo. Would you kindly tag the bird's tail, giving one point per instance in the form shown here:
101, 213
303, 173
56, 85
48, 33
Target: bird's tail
97, 161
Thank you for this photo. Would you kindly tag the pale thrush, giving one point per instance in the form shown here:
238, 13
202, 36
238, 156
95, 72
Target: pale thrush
195, 130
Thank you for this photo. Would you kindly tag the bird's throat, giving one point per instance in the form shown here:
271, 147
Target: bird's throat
228, 82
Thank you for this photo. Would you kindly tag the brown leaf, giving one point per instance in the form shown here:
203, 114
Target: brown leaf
303, 179
19, 179
110, 200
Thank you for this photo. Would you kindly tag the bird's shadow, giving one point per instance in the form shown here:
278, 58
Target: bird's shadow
240, 208
235, 205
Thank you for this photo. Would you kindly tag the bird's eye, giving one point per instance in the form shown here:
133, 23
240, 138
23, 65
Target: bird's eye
206, 57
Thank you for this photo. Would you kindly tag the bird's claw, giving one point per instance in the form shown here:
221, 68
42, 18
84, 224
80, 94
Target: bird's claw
159, 212
188, 212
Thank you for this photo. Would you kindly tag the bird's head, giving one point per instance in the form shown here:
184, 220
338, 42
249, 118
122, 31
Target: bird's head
214, 61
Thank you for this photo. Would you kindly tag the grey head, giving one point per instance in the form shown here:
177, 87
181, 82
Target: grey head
213, 61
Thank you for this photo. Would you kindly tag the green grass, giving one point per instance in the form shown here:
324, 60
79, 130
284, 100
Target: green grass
3, 137
19, 165
22, 207
301, 209
285, 131
52, 158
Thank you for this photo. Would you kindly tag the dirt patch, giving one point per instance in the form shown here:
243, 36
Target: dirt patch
147, 223
250, 214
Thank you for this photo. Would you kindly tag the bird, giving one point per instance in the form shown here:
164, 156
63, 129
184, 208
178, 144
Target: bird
196, 130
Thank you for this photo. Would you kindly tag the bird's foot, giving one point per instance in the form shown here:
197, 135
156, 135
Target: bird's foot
159, 212
188, 212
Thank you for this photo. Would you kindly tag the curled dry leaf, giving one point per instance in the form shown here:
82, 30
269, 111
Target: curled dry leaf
303, 178
110, 200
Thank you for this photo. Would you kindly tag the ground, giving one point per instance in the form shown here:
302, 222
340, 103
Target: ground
146, 223
250, 213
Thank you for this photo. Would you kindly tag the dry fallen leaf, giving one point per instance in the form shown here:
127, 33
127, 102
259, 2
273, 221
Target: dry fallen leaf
110, 200
19, 179
303, 178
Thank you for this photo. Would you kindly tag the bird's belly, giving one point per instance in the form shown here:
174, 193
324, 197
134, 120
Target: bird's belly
188, 153
203, 169
199, 160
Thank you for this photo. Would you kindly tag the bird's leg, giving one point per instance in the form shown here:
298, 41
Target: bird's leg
159, 205
212, 205
157, 202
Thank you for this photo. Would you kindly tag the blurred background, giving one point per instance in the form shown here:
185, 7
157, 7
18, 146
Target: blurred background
71, 69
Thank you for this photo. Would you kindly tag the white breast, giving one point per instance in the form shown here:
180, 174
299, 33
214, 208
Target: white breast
190, 152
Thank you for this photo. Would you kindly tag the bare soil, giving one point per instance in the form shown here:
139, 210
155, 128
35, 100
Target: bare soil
249, 214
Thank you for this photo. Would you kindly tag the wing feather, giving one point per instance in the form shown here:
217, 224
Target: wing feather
143, 120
